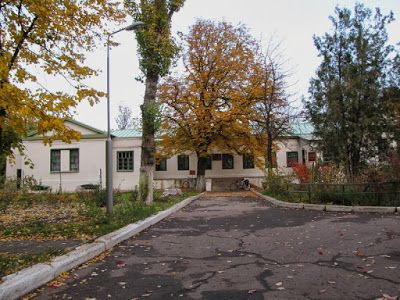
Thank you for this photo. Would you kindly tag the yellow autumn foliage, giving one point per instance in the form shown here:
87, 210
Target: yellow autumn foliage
211, 105
51, 37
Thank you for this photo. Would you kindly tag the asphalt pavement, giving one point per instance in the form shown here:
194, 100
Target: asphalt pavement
236, 246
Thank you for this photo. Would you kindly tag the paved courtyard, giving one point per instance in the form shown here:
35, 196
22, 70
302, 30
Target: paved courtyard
236, 246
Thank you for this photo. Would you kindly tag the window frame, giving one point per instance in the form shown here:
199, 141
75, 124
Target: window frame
186, 164
209, 162
52, 170
225, 161
314, 154
289, 163
248, 161
127, 169
161, 165
59, 150
76, 150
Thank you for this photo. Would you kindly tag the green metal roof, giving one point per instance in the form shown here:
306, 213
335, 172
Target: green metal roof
302, 128
126, 133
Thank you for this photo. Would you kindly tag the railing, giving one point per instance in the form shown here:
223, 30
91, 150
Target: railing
376, 194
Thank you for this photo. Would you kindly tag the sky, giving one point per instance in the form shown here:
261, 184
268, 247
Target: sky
293, 22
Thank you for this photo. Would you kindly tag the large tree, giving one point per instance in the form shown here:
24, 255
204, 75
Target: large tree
209, 105
52, 38
272, 111
156, 52
347, 104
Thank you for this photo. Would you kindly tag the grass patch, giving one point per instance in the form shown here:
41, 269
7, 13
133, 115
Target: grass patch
10, 263
83, 218
72, 216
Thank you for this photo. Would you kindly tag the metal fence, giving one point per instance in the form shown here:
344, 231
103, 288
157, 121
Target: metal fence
376, 194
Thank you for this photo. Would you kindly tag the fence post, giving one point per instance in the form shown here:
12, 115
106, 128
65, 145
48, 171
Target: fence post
309, 193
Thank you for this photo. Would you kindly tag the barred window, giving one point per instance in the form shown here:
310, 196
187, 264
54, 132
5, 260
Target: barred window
64, 160
74, 160
124, 161
55, 160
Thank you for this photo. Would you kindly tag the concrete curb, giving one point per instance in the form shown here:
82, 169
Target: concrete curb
330, 208
339, 208
375, 209
24, 281
319, 207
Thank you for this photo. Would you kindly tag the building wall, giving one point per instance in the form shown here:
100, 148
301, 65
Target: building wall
126, 180
92, 157
294, 145
91, 164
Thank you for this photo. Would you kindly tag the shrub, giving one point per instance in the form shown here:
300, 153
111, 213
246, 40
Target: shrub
276, 184
302, 172
97, 196
386, 170
8, 194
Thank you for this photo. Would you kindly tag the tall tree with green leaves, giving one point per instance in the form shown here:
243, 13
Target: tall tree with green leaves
156, 52
347, 102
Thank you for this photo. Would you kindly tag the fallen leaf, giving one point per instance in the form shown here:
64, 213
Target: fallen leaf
360, 252
251, 291
120, 263
55, 284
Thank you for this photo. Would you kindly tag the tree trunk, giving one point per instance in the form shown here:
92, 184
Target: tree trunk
268, 162
3, 158
148, 142
201, 172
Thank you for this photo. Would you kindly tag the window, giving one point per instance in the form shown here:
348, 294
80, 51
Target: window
161, 165
312, 156
227, 161
183, 162
209, 163
124, 161
64, 160
292, 158
216, 156
74, 160
248, 161
55, 160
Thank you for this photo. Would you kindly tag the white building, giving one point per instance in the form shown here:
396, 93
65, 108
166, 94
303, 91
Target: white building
68, 166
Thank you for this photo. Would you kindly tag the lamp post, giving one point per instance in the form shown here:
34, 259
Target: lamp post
109, 168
